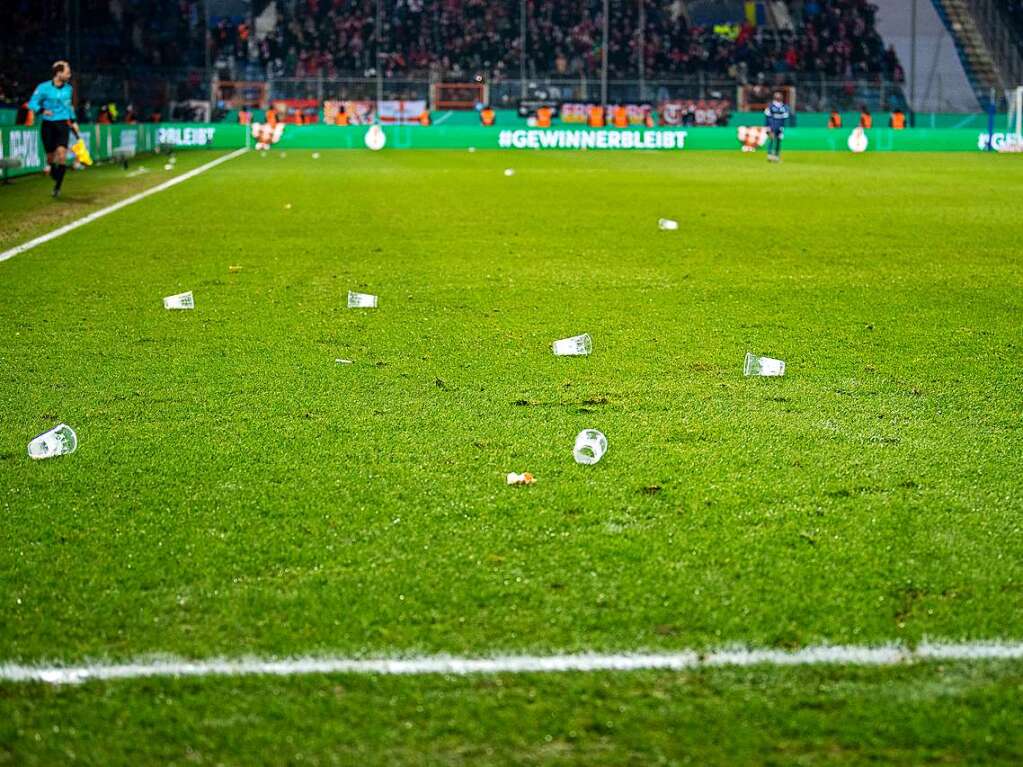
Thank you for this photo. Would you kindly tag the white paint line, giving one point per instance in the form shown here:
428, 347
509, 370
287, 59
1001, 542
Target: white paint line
117, 206
847, 655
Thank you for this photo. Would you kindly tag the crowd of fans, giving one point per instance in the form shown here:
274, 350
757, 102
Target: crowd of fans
115, 38
454, 38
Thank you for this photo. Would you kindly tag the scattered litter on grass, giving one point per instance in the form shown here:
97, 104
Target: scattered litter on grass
509, 172
573, 347
667, 225
316, 155
234, 269
762, 366
179, 301
168, 166
60, 440
361, 300
138, 172
341, 361
472, 149
590, 446
521, 479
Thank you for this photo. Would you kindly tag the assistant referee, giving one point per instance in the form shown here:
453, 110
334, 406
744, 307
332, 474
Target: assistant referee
52, 100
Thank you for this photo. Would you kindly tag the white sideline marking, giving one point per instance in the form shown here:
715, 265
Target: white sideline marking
847, 655
116, 206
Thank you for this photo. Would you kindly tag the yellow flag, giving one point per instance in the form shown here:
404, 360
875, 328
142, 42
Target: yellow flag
82, 153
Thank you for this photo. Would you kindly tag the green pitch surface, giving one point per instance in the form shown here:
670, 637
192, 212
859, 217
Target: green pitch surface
237, 492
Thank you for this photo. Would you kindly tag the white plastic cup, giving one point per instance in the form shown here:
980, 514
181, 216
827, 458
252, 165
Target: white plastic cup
762, 366
576, 346
179, 301
316, 155
590, 446
60, 440
361, 300
667, 225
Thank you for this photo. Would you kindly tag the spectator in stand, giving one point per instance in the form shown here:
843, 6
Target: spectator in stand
866, 121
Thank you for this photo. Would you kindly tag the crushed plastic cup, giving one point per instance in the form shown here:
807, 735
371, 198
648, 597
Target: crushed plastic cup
472, 149
521, 479
60, 440
590, 446
576, 346
168, 166
762, 366
179, 301
667, 225
316, 155
361, 300
509, 172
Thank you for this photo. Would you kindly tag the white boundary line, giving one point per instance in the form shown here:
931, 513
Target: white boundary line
117, 206
820, 655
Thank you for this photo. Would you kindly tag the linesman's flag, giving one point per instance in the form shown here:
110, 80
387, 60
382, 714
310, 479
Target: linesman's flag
81, 152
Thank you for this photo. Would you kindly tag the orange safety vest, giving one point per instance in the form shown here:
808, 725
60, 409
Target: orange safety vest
898, 121
543, 117
596, 117
487, 116
835, 120
621, 117
866, 121
424, 118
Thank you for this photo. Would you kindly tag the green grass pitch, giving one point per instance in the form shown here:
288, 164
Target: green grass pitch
236, 492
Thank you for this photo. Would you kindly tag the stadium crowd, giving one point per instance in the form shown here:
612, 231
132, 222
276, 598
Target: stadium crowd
329, 38
833, 39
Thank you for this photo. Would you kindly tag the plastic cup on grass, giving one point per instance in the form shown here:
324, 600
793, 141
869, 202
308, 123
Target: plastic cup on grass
361, 300
576, 346
60, 440
179, 301
590, 446
762, 366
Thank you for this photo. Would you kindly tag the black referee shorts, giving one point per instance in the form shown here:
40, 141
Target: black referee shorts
55, 134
